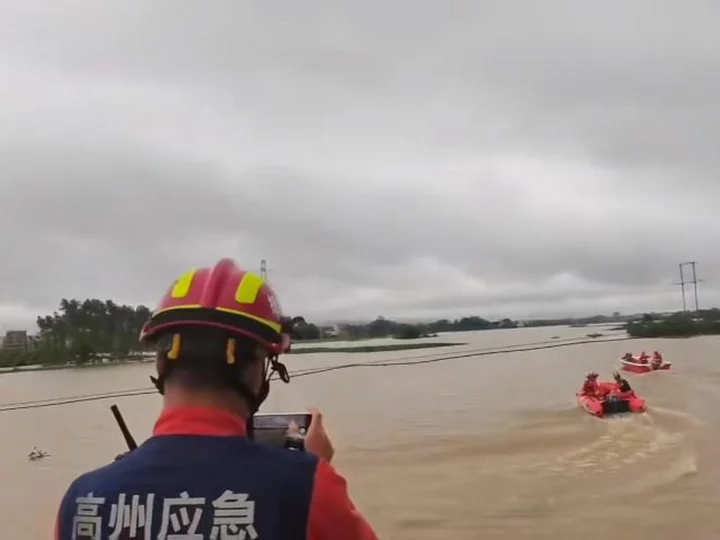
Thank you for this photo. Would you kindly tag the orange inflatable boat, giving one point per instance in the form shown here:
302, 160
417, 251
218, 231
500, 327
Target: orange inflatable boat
610, 400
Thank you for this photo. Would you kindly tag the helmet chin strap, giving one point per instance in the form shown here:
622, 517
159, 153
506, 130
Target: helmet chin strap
273, 366
255, 401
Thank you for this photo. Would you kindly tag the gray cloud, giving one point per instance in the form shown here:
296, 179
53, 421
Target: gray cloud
412, 159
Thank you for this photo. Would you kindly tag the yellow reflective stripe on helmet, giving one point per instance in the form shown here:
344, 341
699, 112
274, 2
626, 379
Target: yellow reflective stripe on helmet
275, 327
172, 308
249, 288
181, 288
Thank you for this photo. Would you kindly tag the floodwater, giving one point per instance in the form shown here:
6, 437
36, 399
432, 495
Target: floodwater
470, 448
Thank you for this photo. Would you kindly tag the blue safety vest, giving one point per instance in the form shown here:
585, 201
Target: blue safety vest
191, 487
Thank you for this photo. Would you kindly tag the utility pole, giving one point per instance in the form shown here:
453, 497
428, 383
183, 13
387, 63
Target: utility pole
682, 286
694, 282
263, 269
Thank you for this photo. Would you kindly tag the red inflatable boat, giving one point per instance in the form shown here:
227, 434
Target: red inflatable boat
635, 366
615, 401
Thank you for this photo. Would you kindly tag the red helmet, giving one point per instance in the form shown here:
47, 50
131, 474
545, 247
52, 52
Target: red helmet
223, 296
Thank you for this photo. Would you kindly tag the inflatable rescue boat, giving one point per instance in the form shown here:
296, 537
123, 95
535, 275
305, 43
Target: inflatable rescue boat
635, 366
614, 402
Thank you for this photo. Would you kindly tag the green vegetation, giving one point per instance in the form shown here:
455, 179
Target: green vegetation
682, 324
577, 322
80, 333
93, 332
383, 328
373, 348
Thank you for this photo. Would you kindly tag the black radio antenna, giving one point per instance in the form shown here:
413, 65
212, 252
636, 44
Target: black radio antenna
131, 444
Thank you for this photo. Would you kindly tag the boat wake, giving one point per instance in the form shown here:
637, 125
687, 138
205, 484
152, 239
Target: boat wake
627, 454
561, 465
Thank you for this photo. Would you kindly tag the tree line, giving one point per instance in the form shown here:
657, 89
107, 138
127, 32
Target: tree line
80, 332
92, 331
382, 327
704, 322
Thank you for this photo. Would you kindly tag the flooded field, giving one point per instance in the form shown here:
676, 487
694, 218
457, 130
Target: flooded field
485, 447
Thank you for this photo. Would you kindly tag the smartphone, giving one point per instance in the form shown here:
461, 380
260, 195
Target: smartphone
271, 429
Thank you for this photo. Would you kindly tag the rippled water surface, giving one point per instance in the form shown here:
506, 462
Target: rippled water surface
482, 447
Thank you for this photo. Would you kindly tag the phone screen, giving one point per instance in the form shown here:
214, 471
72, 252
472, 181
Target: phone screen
272, 429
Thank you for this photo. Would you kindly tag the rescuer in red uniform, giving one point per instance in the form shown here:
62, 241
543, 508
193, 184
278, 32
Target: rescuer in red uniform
590, 386
218, 333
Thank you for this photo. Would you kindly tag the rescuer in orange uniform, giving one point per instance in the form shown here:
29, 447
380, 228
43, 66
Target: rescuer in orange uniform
590, 386
218, 333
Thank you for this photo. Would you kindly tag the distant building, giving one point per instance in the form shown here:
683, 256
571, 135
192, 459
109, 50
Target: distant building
15, 340
329, 331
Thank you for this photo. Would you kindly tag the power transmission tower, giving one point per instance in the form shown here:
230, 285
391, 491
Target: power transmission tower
682, 287
694, 282
263, 269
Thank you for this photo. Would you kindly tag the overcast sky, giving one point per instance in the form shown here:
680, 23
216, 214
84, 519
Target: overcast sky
405, 158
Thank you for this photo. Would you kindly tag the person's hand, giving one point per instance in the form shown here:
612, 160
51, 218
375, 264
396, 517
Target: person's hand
317, 440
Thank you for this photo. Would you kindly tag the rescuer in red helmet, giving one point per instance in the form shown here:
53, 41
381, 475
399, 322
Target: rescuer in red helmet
218, 333
590, 386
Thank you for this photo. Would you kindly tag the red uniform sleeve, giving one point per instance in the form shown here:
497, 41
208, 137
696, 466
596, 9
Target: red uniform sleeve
333, 515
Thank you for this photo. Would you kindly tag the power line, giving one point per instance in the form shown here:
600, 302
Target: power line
470, 354
69, 401
438, 356
397, 362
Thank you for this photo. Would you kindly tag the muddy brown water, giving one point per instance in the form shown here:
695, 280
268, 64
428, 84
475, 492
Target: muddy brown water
476, 448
